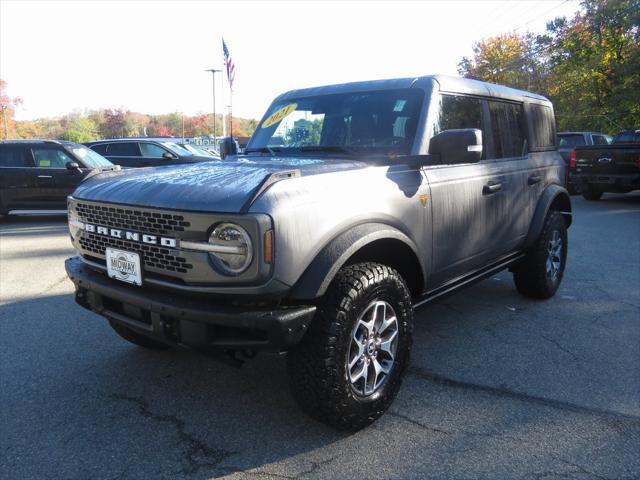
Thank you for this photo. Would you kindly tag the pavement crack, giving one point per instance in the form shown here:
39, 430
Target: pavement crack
581, 469
198, 455
559, 346
54, 285
263, 473
449, 432
525, 397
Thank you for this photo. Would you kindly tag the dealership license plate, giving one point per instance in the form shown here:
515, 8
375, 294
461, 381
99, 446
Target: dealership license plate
124, 266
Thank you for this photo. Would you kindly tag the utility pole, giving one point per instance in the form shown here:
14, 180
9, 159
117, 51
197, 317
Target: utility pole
213, 77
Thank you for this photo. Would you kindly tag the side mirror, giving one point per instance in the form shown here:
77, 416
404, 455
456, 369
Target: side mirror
168, 156
457, 146
73, 166
227, 146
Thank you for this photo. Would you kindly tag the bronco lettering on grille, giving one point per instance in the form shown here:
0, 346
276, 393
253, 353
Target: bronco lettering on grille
132, 236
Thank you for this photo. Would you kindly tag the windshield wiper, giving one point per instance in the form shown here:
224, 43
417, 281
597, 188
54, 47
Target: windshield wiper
270, 150
328, 149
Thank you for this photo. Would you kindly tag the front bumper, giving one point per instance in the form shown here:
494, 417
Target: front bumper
192, 322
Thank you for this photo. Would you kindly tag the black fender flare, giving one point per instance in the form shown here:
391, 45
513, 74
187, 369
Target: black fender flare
553, 194
317, 277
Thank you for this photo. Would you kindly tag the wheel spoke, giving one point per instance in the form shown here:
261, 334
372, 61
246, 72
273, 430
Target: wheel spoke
386, 324
355, 359
387, 345
360, 374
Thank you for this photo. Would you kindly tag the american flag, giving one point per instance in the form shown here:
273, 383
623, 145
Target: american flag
228, 61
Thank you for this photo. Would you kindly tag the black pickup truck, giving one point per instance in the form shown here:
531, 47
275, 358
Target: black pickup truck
608, 168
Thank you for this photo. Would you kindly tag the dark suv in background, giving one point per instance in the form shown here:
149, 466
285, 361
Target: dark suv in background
145, 152
37, 175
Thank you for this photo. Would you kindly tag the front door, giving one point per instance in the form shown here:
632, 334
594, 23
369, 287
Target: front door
471, 203
52, 178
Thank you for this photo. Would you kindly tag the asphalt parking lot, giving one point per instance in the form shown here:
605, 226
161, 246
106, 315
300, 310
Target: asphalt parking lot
500, 386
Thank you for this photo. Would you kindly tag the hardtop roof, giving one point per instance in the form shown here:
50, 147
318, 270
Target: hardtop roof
446, 83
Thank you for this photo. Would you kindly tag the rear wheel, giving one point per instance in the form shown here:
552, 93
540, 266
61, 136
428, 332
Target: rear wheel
348, 368
540, 273
137, 339
591, 193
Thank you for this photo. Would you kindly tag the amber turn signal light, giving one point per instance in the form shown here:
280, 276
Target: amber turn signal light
268, 246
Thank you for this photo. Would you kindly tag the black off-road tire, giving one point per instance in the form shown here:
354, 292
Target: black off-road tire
531, 276
137, 339
591, 193
318, 368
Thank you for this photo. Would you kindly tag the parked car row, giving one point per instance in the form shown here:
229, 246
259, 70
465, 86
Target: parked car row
36, 176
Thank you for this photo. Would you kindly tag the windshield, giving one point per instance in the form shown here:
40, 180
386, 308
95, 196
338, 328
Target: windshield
356, 122
90, 158
177, 149
196, 151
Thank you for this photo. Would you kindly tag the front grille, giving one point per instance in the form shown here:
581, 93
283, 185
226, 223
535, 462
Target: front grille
131, 219
152, 256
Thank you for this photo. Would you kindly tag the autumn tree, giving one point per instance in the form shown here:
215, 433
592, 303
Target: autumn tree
508, 59
8, 107
594, 62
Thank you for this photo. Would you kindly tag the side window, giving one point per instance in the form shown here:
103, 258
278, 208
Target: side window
101, 149
14, 156
50, 158
151, 150
543, 126
507, 129
457, 111
123, 149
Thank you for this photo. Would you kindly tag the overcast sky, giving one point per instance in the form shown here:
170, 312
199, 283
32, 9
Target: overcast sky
149, 56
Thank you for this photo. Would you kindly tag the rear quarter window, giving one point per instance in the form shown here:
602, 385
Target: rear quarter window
542, 127
14, 156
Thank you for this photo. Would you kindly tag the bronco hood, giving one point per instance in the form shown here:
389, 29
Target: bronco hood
217, 186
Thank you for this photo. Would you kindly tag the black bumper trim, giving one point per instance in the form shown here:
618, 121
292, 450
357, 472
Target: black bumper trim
192, 322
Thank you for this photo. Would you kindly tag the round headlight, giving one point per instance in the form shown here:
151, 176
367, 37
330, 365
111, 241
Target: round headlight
232, 252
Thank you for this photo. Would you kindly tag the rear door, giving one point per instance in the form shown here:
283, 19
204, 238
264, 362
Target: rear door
508, 156
126, 154
17, 181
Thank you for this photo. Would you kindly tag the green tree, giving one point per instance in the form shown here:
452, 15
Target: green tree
80, 129
594, 62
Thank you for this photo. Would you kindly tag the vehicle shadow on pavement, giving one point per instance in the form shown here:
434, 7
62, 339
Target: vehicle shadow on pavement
79, 402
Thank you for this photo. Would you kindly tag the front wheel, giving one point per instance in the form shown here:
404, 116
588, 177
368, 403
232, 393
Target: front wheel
348, 368
540, 273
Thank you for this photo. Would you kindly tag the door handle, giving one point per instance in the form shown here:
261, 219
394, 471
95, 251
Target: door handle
533, 179
491, 188
45, 176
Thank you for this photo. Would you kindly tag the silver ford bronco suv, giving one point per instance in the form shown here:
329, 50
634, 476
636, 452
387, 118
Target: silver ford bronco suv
351, 206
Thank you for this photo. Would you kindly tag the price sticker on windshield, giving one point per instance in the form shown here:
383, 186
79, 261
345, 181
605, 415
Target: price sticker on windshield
279, 115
